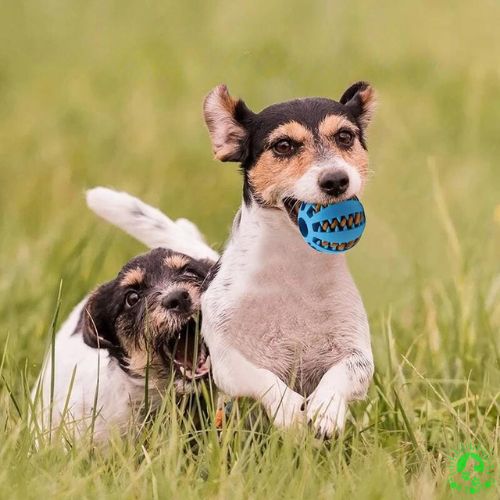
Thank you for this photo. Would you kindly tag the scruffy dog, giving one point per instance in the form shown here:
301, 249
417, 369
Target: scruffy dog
138, 328
283, 322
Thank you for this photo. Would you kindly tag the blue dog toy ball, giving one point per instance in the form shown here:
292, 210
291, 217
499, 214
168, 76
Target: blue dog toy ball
332, 228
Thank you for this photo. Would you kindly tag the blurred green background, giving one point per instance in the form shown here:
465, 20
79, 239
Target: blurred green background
109, 93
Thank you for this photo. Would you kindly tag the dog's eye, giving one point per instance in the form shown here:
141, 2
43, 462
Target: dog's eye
284, 147
344, 138
131, 299
190, 271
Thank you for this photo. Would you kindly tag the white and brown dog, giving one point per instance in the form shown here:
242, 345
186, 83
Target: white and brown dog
138, 329
282, 321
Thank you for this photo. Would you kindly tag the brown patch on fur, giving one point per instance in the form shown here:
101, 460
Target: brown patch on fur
138, 362
331, 124
368, 98
271, 177
291, 130
357, 155
158, 317
225, 132
176, 261
144, 339
133, 277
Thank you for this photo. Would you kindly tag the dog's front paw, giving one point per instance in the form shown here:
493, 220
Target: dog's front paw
286, 409
326, 412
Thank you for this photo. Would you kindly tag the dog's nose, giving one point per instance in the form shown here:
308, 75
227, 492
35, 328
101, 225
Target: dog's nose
179, 301
334, 182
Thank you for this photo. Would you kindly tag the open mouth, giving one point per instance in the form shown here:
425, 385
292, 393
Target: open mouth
292, 206
189, 353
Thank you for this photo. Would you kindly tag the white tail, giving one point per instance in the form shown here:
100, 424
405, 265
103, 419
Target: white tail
149, 225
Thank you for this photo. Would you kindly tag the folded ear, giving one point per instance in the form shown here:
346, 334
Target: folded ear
225, 118
96, 324
361, 100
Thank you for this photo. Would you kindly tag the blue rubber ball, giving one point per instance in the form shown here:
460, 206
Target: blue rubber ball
333, 228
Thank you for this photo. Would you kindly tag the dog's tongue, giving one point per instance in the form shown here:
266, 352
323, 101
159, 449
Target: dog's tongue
203, 363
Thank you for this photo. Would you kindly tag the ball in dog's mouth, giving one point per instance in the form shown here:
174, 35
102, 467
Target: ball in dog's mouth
331, 227
188, 353
293, 206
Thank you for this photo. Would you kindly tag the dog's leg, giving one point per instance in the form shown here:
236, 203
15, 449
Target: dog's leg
237, 377
349, 379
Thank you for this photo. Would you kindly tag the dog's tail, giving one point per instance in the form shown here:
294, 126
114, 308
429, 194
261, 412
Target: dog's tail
149, 225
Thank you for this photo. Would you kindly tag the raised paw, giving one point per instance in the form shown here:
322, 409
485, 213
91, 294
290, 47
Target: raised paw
326, 413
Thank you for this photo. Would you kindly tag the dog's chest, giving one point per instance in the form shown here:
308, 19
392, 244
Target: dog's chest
274, 298
283, 305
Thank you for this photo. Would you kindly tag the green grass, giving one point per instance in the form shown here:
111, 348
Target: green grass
109, 93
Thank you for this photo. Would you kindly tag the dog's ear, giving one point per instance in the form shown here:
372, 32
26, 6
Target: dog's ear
96, 328
225, 118
361, 100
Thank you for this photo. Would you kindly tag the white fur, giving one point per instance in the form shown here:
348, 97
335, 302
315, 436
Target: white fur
327, 405
307, 187
148, 224
275, 302
95, 372
236, 376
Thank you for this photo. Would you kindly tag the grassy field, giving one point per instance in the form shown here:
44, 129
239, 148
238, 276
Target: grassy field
109, 93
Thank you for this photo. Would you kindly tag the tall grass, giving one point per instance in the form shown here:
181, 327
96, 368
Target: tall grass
109, 93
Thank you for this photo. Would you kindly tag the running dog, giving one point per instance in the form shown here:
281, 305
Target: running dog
285, 324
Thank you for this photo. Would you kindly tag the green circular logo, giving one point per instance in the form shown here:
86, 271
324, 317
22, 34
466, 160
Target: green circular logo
471, 470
